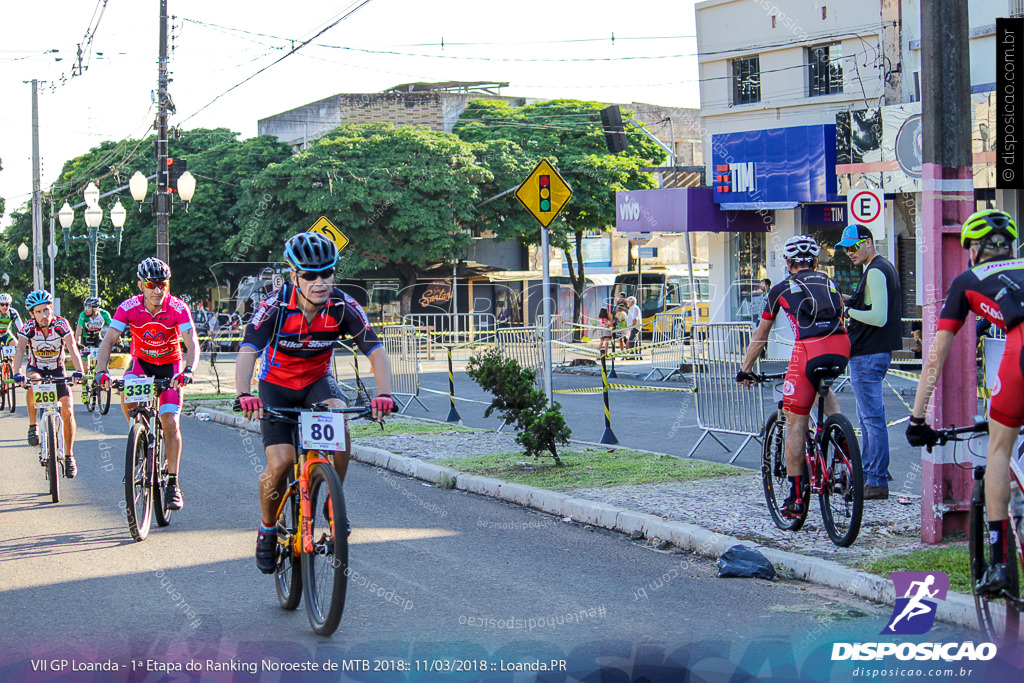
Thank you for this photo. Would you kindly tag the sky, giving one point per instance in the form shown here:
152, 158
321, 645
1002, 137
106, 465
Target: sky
542, 48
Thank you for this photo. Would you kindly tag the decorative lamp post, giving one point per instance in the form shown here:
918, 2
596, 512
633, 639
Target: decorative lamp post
93, 219
183, 185
23, 251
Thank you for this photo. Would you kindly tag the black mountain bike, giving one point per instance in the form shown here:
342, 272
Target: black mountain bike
832, 469
145, 462
998, 615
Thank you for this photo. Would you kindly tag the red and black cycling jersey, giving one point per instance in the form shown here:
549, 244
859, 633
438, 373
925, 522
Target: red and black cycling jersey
812, 303
295, 353
976, 290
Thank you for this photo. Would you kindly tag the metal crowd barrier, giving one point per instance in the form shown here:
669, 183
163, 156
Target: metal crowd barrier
447, 329
723, 406
667, 355
400, 343
522, 344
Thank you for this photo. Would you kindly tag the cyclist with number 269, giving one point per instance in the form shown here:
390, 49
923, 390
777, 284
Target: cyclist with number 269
159, 323
293, 332
993, 288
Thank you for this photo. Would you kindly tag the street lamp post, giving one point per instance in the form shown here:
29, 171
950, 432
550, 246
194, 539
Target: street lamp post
93, 218
162, 202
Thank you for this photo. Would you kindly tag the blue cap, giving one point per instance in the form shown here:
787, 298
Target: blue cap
854, 233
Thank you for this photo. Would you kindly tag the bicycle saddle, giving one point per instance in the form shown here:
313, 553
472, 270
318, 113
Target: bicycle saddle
826, 372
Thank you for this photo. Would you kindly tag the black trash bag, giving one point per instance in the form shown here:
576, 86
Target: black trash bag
742, 562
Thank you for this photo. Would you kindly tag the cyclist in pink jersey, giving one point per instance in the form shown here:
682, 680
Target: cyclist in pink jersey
159, 323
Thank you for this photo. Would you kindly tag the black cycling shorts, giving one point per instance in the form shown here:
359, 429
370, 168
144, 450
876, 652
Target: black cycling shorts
276, 396
62, 387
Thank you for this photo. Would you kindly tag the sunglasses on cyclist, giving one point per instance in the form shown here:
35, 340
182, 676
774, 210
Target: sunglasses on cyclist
156, 284
311, 275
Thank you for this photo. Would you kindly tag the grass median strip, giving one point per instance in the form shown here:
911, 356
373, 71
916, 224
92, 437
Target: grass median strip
591, 467
363, 428
953, 560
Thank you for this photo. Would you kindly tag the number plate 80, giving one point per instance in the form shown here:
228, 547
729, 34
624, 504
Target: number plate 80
322, 431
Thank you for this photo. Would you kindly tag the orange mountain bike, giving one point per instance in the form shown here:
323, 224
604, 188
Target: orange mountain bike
312, 540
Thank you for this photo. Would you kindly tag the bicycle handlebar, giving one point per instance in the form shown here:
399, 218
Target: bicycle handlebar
946, 435
273, 414
160, 383
760, 378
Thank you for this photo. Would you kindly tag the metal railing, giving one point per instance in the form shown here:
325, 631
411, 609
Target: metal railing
667, 354
400, 343
522, 344
723, 406
446, 329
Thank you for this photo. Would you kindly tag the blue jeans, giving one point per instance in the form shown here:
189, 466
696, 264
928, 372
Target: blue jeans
866, 375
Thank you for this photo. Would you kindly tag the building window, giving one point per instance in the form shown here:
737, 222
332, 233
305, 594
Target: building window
825, 70
746, 80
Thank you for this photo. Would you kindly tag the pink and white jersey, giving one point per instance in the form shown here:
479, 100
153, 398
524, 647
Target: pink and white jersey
156, 338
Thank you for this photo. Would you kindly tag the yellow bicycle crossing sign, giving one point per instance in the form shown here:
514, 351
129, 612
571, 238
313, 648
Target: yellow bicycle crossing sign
326, 228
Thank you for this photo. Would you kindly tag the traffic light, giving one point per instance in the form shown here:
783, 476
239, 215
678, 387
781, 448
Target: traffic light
614, 134
177, 168
545, 193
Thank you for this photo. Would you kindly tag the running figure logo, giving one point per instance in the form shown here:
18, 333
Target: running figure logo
914, 613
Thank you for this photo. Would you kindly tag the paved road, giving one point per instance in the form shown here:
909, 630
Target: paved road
461, 577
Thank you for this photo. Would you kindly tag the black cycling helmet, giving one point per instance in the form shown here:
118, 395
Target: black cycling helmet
92, 302
153, 268
310, 251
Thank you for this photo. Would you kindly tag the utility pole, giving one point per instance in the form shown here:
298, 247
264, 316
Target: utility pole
162, 197
37, 196
948, 196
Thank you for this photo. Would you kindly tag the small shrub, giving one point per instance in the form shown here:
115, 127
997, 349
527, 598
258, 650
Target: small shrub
540, 429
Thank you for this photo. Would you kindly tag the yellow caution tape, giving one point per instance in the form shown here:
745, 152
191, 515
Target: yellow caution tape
617, 387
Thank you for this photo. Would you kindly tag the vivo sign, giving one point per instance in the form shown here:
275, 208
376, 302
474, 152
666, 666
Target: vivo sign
629, 209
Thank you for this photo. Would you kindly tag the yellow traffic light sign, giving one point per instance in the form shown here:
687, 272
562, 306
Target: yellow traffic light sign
544, 193
326, 228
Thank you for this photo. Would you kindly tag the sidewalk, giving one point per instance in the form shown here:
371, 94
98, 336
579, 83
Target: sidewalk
705, 517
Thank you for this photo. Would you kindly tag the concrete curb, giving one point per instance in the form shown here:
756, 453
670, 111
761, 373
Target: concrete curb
955, 609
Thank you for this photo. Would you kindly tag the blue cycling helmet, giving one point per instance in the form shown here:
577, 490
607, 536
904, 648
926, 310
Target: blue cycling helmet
310, 251
37, 298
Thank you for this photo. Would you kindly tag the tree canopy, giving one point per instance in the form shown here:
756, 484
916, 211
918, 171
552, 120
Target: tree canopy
569, 134
400, 194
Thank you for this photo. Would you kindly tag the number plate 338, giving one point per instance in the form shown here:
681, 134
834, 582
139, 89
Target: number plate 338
322, 431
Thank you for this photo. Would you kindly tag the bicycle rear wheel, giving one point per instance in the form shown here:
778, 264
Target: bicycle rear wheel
325, 570
163, 513
103, 399
773, 473
54, 470
842, 493
288, 574
137, 491
89, 396
999, 619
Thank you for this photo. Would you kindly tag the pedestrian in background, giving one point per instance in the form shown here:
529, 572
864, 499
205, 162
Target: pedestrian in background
633, 321
607, 322
876, 330
621, 309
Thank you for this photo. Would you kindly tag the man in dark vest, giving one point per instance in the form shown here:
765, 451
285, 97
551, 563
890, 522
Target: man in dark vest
876, 317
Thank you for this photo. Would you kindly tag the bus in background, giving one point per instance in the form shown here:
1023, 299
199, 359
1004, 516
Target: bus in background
666, 289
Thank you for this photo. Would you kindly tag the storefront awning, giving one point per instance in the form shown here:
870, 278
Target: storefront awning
757, 206
683, 209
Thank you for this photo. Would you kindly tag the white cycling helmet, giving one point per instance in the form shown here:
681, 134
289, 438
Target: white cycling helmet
5, 298
801, 248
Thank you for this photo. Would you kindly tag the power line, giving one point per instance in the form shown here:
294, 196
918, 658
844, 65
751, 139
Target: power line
282, 58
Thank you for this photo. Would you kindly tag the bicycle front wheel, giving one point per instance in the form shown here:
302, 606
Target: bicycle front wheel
163, 513
999, 619
325, 570
842, 492
11, 400
773, 473
89, 396
137, 491
54, 469
288, 574
103, 399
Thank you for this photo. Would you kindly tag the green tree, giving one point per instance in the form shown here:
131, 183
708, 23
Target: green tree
399, 194
569, 134
199, 236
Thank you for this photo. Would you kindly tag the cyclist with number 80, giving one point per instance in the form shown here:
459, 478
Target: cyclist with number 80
45, 338
159, 323
293, 332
